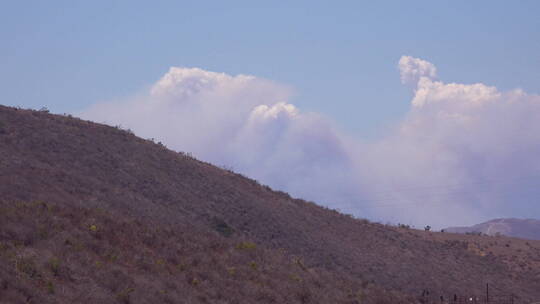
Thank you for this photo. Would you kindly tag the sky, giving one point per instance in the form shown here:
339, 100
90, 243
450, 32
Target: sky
424, 112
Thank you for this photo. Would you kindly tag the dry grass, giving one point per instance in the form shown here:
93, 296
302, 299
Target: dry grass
106, 178
59, 254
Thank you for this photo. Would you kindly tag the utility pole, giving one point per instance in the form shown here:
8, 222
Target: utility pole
487, 292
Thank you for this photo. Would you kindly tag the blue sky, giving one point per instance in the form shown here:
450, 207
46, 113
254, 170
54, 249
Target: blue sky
339, 57
328, 113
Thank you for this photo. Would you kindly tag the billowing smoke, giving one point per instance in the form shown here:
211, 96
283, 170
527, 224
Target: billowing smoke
413, 69
244, 123
463, 153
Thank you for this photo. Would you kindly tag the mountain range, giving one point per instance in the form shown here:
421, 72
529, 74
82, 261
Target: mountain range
520, 228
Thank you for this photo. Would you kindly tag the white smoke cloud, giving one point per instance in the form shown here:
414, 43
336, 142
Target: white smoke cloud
192, 110
243, 122
413, 69
454, 159
476, 145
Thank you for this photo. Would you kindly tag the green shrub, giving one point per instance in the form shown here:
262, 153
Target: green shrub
246, 245
93, 228
222, 227
160, 262
181, 266
111, 257
50, 287
54, 266
253, 265
295, 277
123, 296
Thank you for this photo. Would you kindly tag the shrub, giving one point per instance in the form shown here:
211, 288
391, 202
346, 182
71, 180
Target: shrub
181, 266
43, 233
222, 227
26, 266
295, 277
54, 265
93, 228
111, 257
253, 265
123, 296
160, 262
246, 245
50, 287
3, 246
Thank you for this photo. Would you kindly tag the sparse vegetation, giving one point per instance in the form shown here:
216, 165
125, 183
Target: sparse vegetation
253, 265
403, 226
124, 295
44, 110
88, 207
114, 277
26, 265
50, 287
93, 228
222, 227
246, 245
54, 265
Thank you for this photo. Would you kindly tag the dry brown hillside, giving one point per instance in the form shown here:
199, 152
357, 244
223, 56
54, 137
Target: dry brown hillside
94, 214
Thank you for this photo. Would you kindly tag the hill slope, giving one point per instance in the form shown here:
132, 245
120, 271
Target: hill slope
90, 172
521, 228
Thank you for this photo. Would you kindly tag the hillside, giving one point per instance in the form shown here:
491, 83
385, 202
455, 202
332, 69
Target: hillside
94, 214
520, 228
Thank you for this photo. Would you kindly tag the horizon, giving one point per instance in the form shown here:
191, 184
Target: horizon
372, 109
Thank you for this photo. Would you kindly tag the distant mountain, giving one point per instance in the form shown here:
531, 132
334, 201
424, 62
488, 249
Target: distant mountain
520, 228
